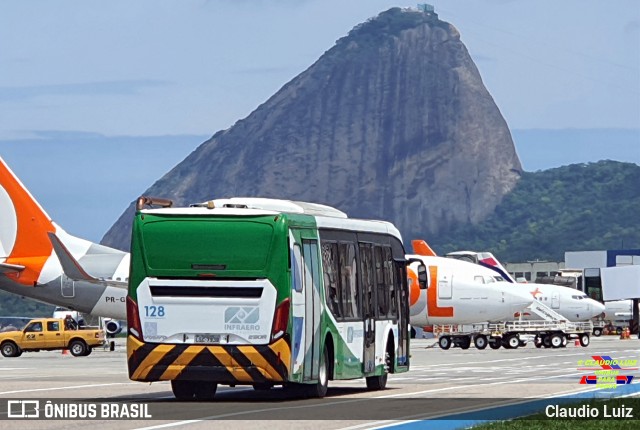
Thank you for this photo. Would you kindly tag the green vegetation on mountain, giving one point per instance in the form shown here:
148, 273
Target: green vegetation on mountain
13, 305
578, 207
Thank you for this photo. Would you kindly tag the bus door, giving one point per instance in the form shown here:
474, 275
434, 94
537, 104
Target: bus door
369, 306
402, 294
312, 301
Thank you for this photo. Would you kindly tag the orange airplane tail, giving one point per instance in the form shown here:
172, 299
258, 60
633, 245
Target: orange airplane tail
420, 247
24, 244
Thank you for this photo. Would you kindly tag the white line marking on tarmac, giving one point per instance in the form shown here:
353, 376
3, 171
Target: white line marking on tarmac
67, 388
411, 418
387, 422
511, 381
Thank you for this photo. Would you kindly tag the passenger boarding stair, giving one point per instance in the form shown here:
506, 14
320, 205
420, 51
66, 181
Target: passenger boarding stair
550, 320
545, 312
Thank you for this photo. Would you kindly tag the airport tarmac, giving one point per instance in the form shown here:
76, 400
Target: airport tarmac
452, 380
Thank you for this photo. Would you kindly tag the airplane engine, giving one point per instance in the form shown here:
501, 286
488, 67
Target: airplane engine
112, 327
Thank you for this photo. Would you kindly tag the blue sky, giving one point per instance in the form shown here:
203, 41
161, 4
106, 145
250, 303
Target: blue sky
89, 88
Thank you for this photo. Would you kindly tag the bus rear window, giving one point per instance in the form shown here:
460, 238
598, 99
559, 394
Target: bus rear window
206, 245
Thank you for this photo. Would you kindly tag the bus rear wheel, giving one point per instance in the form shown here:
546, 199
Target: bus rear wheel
319, 389
380, 382
183, 390
204, 390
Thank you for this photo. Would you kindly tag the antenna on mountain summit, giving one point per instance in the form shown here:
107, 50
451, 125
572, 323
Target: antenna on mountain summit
426, 8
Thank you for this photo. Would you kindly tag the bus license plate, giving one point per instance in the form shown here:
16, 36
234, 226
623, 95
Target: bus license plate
207, 338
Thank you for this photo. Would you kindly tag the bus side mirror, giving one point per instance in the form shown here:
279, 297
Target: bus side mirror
423, 280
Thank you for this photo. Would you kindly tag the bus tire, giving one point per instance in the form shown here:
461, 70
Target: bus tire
584, 339
10, 349
204, 390
380, 382
480, 341
78, 348
445, 342
319, 389
183, 390
597, 331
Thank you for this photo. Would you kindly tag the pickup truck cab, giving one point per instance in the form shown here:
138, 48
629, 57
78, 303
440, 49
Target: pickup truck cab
50, 334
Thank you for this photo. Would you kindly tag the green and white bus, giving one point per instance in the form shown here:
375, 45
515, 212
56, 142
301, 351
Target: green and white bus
264, 292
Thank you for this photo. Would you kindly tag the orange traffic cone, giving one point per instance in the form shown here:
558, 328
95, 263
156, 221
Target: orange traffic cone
65, 352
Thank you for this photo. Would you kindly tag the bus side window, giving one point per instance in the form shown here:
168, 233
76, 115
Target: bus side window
296, 269
367, 280
382, 287
330, 269
348, 281
390, 281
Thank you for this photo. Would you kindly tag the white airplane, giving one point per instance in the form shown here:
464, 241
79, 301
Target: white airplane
39, 260
617, 313
448, 291
573, 304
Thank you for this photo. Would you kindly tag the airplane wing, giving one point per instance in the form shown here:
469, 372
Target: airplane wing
10, 268
72, 268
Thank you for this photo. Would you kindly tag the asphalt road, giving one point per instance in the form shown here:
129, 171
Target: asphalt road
439, 381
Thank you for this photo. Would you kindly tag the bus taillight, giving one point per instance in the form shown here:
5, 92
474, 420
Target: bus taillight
133, 318
280, 320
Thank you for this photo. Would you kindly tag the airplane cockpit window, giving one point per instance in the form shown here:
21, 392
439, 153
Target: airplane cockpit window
479, 279
489, 280
499, 278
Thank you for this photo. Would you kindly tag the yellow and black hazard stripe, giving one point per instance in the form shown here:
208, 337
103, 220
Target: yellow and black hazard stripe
230, 364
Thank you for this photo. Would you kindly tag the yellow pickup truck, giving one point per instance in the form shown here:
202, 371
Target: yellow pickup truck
50, 334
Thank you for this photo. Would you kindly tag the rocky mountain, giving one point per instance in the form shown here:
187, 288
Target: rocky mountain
393, 122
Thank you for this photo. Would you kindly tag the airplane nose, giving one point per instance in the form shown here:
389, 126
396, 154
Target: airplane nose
518, 300
597, 308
